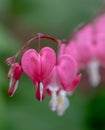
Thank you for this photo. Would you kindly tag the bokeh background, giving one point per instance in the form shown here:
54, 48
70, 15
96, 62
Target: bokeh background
19, 21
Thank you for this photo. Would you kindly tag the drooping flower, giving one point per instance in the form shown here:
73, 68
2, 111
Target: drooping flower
62, 82
85, 39
99, 27
80, 46
38, 66
14, 76
99, 50
83, 48
55, 76
95, 39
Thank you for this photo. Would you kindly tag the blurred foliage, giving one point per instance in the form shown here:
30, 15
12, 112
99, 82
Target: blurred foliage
58, 17
19, 21
95, 112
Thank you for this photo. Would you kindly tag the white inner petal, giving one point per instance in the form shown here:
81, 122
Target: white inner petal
41, 91
53, 101
93, 72
63, 93
63, 103
15, 87
10, 82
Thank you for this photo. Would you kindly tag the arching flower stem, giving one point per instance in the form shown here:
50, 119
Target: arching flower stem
39, 36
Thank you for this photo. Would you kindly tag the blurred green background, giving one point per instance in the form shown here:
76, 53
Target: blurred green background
19, 21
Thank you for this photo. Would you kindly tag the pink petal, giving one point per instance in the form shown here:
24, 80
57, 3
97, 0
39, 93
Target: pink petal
71, 49
85, 35
51, 79
17, 70
85, 47
99, 26
100, 53
61, 50
66, 70
74, 83
48, 60
38, 66
31, 64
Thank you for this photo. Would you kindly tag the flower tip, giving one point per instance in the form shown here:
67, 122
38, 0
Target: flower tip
40, 93
63, 104
10, 73
10, 92
74, 84
12, 87
38, 97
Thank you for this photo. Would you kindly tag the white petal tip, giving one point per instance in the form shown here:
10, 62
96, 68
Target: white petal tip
12, 87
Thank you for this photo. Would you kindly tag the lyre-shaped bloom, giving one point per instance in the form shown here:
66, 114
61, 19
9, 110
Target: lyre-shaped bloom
99, 50
62, 99
38, 66
86, 51
14, 76
83, 48
62, 79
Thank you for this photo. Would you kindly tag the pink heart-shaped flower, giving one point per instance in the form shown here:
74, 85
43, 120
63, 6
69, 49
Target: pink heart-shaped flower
62, 74
66, 70
38, 65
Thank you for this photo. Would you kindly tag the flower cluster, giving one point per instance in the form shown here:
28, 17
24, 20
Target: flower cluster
88, 48
57, 74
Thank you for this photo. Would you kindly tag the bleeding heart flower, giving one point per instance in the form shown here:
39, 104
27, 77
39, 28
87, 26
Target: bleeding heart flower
66, 70
62, 78
14, 76
99, 50
83, 48
99, 27
80, 47
63, 73
38, 66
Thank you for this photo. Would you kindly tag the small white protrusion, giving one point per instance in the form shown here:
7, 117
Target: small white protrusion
93, 72
14, 87
63, 103
10, 82
53, 101
41, 91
